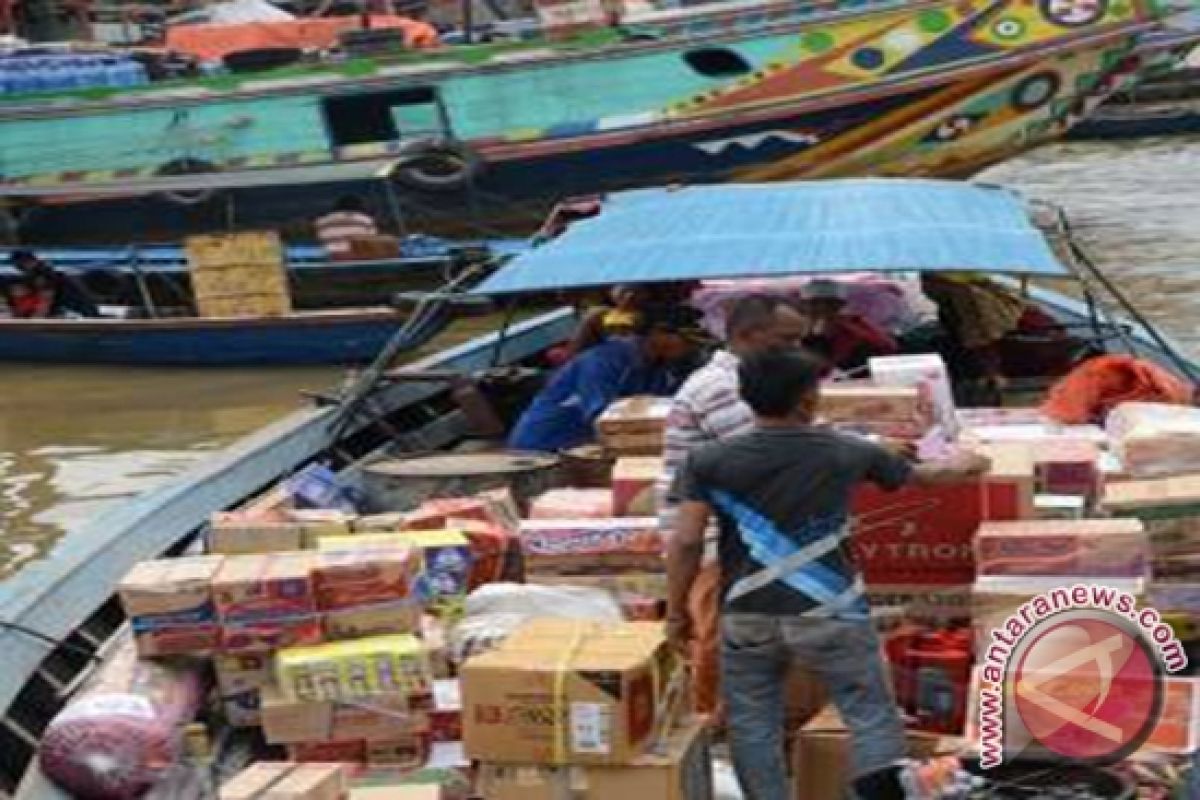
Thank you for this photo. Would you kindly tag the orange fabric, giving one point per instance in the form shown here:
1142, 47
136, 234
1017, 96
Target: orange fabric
216, 41
703, 607
1091, 390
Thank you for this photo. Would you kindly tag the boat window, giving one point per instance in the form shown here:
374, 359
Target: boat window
383, 116
717, 62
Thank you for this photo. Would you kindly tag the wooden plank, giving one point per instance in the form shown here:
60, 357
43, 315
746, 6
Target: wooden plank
56, 595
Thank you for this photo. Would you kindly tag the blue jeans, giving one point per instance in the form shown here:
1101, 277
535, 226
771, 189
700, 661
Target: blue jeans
756, 651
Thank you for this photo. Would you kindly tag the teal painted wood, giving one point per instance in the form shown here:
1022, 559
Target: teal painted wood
56, 595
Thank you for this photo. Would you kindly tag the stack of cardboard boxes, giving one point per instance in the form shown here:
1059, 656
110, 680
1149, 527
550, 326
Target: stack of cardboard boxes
581, 709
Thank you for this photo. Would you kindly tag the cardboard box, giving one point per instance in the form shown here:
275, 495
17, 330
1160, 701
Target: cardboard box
821, 755
243, 671
286, 781
445, 718
574, 503
634, 425
1069, 467
403, 616
328, 752
634, 484
1155, 439
927, 371
680, 770
356, 669
1160, 498
237, 534
171, 607
384, 717
1106, 548
544, 698
356, 578
903, 412
390, 522
408, 752
445, 555
426, 791
266, 586
495, 506
923, 535
583, 546
171, 589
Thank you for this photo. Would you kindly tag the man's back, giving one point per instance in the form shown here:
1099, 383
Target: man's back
777, 491
336, 229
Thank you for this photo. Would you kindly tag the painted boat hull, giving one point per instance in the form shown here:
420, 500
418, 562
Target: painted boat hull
926, 88
1134, 121
297, 339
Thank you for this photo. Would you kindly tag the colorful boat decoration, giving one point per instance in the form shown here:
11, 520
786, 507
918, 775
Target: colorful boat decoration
726, 92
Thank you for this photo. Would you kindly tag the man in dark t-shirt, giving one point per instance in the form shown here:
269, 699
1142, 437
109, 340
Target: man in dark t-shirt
790, 590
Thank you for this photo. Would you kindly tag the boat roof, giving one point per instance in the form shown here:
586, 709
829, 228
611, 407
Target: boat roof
806, 227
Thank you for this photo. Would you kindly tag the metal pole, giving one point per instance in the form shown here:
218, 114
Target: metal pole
139, 278
393, 200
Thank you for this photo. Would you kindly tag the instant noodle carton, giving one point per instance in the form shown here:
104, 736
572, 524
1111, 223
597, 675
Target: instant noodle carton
1155, 439
353, 578
584, 546
399, 616
238, 534
589, 697
266, 601
445, 555
241, 679
170, 604
927, 371
1107, 548
633, 486
357, 669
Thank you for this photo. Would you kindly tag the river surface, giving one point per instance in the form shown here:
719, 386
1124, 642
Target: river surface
73, 440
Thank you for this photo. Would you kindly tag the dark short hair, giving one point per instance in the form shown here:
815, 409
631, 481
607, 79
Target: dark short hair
774, 381
752, 312
350, 202
17, 256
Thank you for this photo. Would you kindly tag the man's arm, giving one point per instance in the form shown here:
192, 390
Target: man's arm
685, 551
964, 467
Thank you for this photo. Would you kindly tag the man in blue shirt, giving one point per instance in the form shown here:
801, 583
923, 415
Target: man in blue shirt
564, 413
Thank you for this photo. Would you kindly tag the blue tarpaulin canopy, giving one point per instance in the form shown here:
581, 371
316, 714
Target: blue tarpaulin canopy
757, 230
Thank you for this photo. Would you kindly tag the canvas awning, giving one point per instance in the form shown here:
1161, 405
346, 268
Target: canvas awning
760, 230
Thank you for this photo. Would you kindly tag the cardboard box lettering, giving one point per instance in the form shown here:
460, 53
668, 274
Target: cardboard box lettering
683, 771
589, 545
328, 752
267, 635
243, 671
155, 638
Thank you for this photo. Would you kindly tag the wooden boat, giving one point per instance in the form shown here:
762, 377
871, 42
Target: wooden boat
717, 92
349, 336
58, 612
1136, 120
150, 276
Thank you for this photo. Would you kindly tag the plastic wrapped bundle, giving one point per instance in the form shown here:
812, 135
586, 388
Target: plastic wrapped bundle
121, 734
1154, 439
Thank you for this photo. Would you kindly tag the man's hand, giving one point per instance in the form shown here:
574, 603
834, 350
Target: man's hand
679, 635
905, 448
955, 469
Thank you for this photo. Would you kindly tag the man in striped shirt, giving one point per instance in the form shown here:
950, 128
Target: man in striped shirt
708, 408
349, 220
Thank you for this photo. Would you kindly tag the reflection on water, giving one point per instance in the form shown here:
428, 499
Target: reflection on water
1135, 207
74, 439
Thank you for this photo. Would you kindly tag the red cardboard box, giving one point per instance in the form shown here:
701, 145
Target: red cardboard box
350, 579
924, 535
265, 586
634, 484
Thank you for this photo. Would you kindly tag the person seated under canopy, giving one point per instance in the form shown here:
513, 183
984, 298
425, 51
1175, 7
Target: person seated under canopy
844, 338
564, 413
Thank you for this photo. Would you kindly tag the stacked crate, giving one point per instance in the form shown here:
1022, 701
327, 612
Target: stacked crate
239, 275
